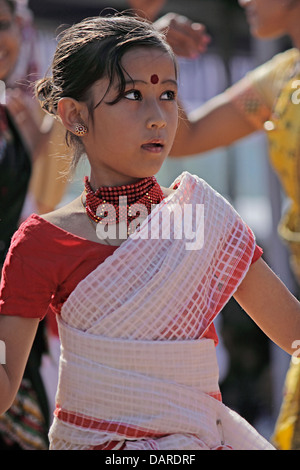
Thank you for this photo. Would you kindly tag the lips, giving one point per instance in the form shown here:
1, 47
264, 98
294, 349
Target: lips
154, 146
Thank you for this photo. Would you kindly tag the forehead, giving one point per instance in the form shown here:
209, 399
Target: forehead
144, 64
148, 61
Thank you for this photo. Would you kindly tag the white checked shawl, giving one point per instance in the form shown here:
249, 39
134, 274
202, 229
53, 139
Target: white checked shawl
134, 371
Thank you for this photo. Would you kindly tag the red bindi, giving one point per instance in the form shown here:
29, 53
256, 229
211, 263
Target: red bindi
154, 79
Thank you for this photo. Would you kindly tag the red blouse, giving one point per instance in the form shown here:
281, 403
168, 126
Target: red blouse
33, 286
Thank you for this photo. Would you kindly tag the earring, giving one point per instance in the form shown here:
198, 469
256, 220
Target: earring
80, 130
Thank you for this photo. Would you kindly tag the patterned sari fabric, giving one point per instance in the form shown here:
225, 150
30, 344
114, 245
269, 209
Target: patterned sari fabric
284, 138
136, 371
284, 141
268, 97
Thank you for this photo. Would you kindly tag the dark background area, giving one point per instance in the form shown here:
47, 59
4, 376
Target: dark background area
224, 19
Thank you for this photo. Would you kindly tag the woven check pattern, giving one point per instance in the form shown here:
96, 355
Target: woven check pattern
184, 289
134, 371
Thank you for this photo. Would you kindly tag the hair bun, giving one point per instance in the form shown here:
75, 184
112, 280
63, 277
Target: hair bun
44, 92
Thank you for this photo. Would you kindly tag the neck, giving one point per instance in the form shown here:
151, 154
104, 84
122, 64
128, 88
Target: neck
293, 26
105, 180
146, 192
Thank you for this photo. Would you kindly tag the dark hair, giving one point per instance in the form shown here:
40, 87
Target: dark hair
89, 51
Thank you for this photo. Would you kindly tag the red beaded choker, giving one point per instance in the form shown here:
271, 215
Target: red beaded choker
145, 192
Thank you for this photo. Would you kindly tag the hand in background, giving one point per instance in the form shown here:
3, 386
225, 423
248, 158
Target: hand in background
187, 39
146, 8
25, 114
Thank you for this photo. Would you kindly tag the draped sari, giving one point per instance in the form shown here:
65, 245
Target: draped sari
136, 370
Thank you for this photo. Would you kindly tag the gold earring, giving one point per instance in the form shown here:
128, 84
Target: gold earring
80, 130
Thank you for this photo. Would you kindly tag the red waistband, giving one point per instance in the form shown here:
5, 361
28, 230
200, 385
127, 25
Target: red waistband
117, 427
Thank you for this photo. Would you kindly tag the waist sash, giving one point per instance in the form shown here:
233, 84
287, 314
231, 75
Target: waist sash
158, 393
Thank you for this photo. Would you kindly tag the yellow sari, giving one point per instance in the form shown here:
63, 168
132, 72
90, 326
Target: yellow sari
283, 131
269, 97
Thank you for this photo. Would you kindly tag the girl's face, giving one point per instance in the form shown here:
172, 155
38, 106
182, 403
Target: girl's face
131, 138
9, 41
267, 18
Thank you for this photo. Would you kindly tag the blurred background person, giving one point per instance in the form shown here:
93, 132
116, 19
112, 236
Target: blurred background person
38, 137
29, 142
44, 135
19, 136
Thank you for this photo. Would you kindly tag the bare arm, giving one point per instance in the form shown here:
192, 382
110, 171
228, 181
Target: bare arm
270, 304
35, 127
17, 334
216, 123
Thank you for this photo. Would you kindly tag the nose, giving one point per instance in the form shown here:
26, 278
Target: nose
156, 117
243, 3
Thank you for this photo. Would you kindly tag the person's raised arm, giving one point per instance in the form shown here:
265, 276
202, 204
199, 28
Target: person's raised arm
34, 128
270, 305
17, 335
216, 123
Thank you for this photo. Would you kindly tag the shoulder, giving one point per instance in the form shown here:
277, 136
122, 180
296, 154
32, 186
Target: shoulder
41, 233
167, 191
279, 63
35, 242
265, 82
61, 217
276, 70
195, 191
31, 229
288, 57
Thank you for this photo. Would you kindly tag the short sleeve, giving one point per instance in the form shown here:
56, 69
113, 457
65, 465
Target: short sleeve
27, 283
269, 78
254, 96
258, 252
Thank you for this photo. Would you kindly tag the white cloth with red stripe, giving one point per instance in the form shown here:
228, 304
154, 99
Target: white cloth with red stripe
136, 371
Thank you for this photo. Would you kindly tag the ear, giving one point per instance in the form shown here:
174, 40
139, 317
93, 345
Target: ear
72, 112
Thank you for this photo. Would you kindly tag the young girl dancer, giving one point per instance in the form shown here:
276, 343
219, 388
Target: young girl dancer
135, 313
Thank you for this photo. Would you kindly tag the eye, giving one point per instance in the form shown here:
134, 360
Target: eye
168, 95
5, 25
134, 95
